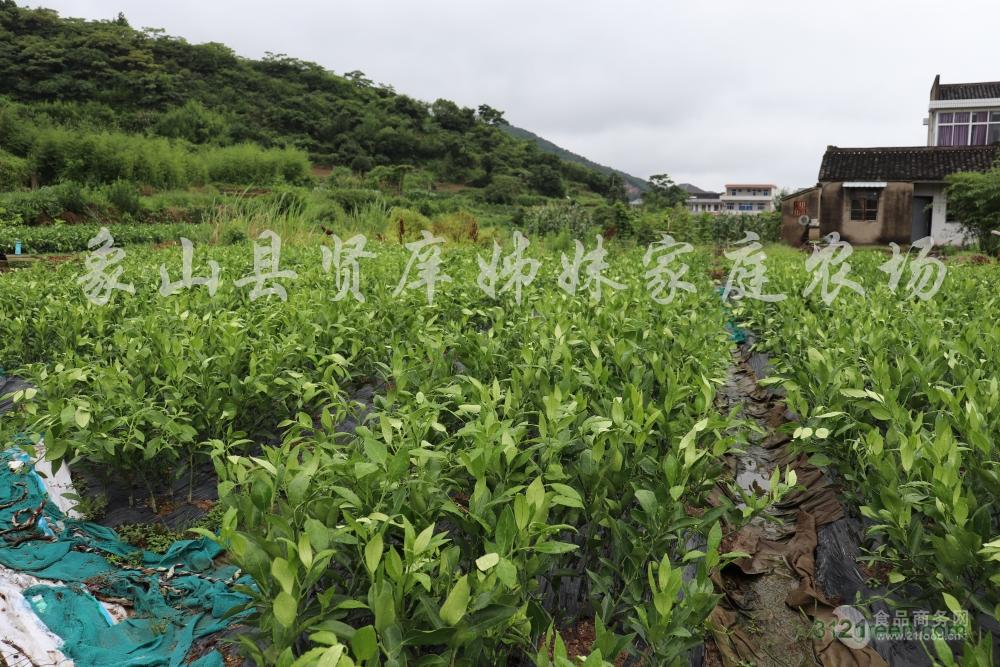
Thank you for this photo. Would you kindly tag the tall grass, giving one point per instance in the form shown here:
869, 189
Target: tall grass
251, 164
370, 219
247, 217
96, 158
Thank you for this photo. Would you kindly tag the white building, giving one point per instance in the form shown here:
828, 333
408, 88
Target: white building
738, 198
963, 114
749, 198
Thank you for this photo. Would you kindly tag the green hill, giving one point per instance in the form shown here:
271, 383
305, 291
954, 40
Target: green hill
80, 76
634, 184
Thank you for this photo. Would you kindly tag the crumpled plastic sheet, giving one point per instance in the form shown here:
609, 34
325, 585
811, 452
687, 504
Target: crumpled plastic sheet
62, 565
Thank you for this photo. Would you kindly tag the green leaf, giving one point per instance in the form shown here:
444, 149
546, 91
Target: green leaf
305, 550
364, 643
82, 417
332, 657
714, 536
487, 561
376, 450
283, 572
507, 573
285, 609
373, 553
617, 412
454, 607
566, 490
952, 603
647, 500
67, 415
552, 547
567, 501
854, 393
819, 460
423, 539
535, 494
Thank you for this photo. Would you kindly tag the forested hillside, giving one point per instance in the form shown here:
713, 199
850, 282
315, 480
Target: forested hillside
107, 76
633, 184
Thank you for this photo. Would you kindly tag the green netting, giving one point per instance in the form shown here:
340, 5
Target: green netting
736, 334
175, 598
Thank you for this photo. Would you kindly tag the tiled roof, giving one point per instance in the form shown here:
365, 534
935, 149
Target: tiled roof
921, 163
969, 91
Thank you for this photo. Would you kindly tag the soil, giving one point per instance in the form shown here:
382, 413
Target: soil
777, 634
579, 641
977, 258
321, 171
450, 187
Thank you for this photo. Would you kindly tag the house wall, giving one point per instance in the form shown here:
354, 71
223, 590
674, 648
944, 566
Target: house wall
942, 231
894, 215
792, 232
831, 211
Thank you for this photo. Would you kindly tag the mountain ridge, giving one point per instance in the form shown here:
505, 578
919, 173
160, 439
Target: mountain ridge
634, 184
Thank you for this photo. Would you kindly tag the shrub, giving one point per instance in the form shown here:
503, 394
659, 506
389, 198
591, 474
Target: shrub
361, 164
371, 218
389, 178
233, 235
14, 171
503, 189
554, 217
17, 135
715, 229
194, 123
620, 218
405, 225
351, 199
458, 226
251, 164
530, 200
124, 196
342, 177
47, 203
286, 200
74, 238
974, 199
324, 210
100, 158
418, 181
547, 181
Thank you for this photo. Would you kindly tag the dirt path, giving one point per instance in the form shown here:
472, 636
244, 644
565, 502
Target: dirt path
773, 605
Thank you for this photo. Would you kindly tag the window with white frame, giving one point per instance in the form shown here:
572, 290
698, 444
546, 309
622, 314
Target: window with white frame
968, 128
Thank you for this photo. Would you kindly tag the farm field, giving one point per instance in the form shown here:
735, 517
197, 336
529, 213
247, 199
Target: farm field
483, 481
303, 366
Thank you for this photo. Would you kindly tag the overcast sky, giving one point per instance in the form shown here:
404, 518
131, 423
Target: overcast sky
709, 92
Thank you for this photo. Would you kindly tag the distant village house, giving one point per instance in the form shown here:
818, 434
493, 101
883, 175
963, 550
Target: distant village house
738, 198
